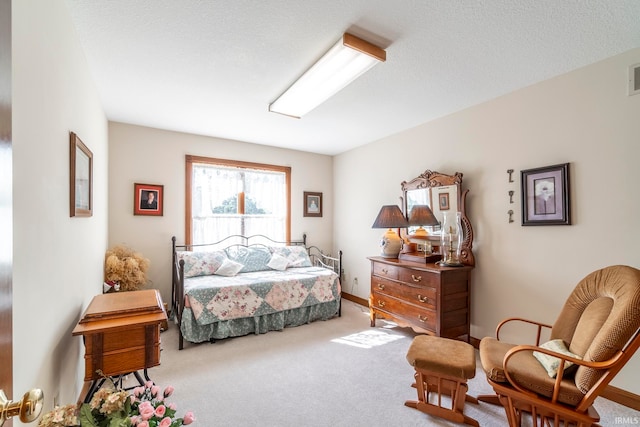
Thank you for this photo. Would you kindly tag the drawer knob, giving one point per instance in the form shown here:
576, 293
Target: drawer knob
416, 278
423, 319
385, 271
380, 303
381, 286
422, 299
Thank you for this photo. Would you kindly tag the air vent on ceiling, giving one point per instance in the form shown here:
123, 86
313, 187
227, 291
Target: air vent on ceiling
634, 79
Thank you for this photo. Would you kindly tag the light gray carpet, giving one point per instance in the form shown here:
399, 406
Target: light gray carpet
300, 377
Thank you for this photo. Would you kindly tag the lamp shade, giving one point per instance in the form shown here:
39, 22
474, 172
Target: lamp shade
390, 216
422, 215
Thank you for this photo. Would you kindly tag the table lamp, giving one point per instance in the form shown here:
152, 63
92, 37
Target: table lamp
390, 217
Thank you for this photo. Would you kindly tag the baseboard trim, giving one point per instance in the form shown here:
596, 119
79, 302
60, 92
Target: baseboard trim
615, 394
355, 299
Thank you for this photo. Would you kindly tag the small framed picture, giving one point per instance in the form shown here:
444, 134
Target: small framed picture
148, 199
312, 204
81, 178
443, 201
546, 195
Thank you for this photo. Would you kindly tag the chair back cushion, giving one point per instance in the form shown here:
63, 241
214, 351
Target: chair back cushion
599, 317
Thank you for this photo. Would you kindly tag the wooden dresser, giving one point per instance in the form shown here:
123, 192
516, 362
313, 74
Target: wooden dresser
426, 297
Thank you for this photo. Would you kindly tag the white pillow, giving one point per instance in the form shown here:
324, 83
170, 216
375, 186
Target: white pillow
229, 268
551, 363
278, 262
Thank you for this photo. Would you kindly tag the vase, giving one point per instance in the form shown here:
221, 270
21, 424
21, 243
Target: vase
451, 239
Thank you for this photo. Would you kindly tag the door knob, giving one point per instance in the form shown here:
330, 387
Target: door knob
28, 408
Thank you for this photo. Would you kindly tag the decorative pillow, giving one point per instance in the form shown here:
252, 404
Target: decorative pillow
229, 268
253, 258
296, 255
278, 262
201, 263
551, 363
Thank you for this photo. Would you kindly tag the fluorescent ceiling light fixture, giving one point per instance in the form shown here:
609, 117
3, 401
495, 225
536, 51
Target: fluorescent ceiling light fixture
348, 59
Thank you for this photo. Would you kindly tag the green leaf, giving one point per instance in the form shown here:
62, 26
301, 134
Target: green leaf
86, 417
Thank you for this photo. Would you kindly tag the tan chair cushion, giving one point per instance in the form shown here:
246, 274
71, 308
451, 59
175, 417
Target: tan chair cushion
525, 370
443, 356
599, 318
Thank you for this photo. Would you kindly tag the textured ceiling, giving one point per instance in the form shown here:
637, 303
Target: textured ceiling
212, 67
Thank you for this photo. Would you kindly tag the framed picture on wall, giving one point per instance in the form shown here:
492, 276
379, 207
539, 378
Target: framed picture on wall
148, 199
81, 177
312, 204
545, 195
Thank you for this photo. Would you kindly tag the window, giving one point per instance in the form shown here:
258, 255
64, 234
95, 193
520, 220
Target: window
226, 197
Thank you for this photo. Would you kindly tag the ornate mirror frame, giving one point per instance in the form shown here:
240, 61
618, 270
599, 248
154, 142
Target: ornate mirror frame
441, 188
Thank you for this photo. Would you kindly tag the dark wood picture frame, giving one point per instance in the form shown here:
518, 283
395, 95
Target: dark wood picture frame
546, 198
80, 178
312, 204
141, 199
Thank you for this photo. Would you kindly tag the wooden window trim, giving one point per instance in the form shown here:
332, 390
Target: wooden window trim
190, 160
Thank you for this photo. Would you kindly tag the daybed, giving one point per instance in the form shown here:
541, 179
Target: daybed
242, 285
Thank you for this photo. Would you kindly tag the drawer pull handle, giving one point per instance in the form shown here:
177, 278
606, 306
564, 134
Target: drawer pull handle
416, 278
380, 303
381, 286
423, 319
385, 271
423, 299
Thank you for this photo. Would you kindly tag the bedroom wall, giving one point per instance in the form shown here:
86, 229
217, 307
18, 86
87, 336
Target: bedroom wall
151, 156
57, 260
585, 118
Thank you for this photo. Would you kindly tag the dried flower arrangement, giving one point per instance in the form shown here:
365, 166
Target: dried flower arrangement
125, 267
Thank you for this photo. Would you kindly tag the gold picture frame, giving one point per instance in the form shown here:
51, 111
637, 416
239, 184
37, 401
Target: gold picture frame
81, 178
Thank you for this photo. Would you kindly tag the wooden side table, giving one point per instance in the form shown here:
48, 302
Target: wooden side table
121, 334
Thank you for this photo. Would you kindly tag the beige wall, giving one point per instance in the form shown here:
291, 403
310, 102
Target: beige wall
151, 156
584, 118
58, 260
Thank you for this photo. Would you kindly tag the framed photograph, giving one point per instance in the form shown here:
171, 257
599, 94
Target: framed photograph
312, 204
81, 178
148, 199
546, 196
443, 201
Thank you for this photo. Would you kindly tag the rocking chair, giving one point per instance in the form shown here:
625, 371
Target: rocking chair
600, 326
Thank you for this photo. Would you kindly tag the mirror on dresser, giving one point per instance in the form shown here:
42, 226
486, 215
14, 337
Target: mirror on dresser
444, 195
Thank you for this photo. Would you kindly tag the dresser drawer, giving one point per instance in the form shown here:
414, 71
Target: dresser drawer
417, 277
384, 270
420, 316
412, 294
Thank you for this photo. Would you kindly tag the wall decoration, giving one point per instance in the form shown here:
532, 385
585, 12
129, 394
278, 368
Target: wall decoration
148, 199
443, 201
312, 204
546, 196
81, 178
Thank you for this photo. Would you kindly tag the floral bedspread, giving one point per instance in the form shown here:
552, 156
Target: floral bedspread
217, 298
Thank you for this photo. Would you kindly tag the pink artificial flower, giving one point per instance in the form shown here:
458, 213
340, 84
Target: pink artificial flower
168, 391
135, 420
148, 384
188, 418
160, 410
155, 390
173, 406
138, 391
146, 412
143, 424
166, 422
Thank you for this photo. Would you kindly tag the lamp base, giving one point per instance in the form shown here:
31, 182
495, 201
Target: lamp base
390, 244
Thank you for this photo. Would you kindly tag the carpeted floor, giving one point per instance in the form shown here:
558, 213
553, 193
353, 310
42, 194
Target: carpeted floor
339, 372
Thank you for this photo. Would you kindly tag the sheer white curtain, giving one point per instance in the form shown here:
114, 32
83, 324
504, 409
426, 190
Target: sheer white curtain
215, 192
